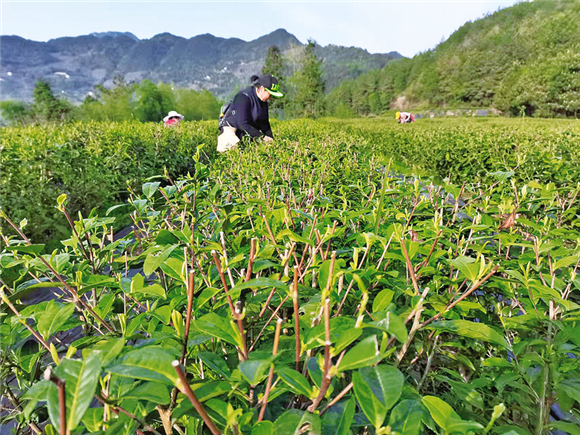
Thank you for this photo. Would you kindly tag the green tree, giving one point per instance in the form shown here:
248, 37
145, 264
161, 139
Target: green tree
114, 104
149, 102
46, 106
274, 64
197, 105
15, 112
309, 85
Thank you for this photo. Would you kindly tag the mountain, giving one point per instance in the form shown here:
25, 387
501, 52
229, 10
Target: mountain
74, 65
524, 59
113, 34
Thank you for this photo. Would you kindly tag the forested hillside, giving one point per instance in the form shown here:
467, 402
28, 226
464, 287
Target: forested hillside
522, 60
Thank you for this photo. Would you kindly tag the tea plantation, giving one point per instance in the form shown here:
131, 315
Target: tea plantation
352, 277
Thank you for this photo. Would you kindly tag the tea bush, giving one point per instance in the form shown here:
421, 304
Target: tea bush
303, 286
463, 149
90, 162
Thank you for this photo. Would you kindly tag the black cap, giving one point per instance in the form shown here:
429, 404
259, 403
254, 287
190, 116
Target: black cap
270, 83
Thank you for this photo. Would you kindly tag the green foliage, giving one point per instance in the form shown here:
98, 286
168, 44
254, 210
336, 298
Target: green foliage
307, 100
153, 102
15, 112
197, 105
90, 162
148, 102
521, 60
274, 64
419, 306
46, 107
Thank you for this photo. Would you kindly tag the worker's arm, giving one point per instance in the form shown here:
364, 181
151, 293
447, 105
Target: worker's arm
266, 129
243, 112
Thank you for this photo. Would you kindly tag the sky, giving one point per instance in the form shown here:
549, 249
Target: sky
408, 27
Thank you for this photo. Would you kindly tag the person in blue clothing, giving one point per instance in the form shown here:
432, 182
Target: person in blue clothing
247, 115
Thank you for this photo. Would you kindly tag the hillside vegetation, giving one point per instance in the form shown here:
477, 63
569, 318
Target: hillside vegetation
523, 60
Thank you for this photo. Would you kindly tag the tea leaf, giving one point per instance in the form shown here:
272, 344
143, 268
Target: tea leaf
339, 418
154, 259
391, 323
219, 327
93, 419
382, 300
263, 428
253, 370
81, 378
295, 381
406, 417
467, 266
149, 189
53, 318
151, 391
362, 354
150, 363
377, 389
296, 422
26, 249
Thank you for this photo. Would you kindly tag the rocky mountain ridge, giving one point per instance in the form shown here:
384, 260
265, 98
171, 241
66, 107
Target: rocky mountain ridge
74, 65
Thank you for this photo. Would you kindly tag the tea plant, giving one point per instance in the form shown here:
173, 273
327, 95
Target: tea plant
93, 162
301, 287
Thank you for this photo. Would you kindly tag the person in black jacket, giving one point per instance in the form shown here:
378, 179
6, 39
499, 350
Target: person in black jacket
247, 116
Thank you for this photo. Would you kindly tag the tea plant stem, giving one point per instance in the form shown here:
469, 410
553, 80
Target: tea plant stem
91, 254
186, 389
416, 203
290, 214
456, 205
23, 321
73, 292
331, 233
190, 289
296, 315
428, 365
490, 188
268, 322
267, 302
337, 398
235, 315
410, 267
416, 315
290, 254
326, 377
271, 373
567, 290
310, 260
426, 261
251, 259
344, 298
228, 270
385, 251
75, 232
49, 376
200, 269
463, 296
270, 232
119, 410
18, 406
